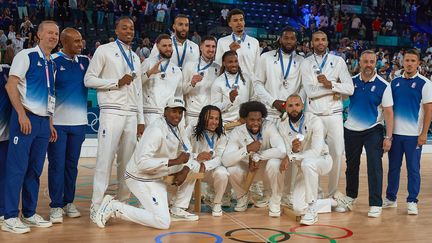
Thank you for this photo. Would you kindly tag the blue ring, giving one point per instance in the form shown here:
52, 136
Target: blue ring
218, 239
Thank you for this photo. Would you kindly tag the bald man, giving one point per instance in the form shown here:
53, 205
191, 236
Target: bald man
69, 121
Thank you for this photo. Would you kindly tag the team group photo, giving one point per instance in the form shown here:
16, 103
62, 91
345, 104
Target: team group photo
215, 121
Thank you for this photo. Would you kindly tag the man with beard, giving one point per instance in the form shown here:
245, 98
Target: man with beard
185, 50
161, 80
70, 122
31, 90
116, 74
231, 89
325, 78
198, 79
412, 95
371, 102
303, 134
163, 150
247, 47
255, 147
277, 77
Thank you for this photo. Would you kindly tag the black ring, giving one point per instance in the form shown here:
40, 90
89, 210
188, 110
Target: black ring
229, 233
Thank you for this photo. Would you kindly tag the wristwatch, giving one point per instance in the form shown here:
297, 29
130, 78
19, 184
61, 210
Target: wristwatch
389, 138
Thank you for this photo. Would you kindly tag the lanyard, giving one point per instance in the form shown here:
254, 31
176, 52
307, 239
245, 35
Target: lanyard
60, 53
300, 127
258, 136
209, 142
205, 67
46, 70
164, 68
180, 60
128, 61
235, 85
242, 39
323, 63
185, 148
285, 73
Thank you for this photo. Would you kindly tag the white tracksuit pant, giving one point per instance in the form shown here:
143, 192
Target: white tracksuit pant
334, 135
153, 198
117, 134
218, 179
268, 171
305, 189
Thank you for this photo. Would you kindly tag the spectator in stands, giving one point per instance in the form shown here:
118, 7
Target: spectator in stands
196, 38
109, 11
32, 8
324, 22
388, 27
161, 9
144, 49
84, 50
3, 40
73, 6
49, 8
97, 44
27, 32
355, 25
89, 6
12, 33
100, 11
339, 29
9, 53
149, 11
22, 8
18, 43
376, 28
224, 14
125, 7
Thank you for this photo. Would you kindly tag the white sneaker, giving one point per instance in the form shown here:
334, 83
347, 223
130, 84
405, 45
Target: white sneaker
36, 221
274, 210
310, 217
344, 203
389, 204
242, 203
262, 203
412, 208
56, 215
15, 225
105, 212
93, 212
178, 214
217, 210
287, 201
71, 211
374, 212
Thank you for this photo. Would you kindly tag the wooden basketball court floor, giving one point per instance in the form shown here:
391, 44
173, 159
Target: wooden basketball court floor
254, 225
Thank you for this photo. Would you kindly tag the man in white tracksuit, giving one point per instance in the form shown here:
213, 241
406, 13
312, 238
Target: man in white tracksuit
246, 46
161, 80
303, 134
163, 150
116, 74
325, 79
208, 143
277, 77
231, 89
255, 146
198, 77
185, 51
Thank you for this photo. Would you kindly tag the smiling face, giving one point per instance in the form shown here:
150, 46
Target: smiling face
231, 64
48, 35
288, 41
173, 115
73, 42
212, 119
208, 49
254, 121
165, 48
294, 107
319, 43
125, 31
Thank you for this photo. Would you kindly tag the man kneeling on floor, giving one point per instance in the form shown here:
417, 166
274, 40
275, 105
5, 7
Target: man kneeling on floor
163, 150
303, 134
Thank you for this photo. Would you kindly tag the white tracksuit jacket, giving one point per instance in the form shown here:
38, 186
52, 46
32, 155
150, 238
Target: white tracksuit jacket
192, 53
220, 95
248, 53
105, 70
199, 96
269, 83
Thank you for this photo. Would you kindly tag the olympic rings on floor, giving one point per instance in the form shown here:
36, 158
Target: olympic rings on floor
285, 235
349, 233
217, 238
272, 238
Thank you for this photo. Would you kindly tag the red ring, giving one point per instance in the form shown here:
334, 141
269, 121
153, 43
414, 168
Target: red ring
349, 233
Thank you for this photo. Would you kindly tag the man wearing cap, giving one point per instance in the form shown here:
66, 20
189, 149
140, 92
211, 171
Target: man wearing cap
303, 134
163, 150
116, 74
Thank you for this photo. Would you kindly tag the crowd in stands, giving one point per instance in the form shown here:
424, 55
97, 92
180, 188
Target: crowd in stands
350, 33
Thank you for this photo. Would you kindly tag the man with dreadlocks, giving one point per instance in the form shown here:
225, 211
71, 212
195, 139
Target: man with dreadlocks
208, 143
277, 77
231, 88
255, 147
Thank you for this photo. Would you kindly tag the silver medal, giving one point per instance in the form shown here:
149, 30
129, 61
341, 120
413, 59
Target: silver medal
163, 75
285, 83
300, 137
134, 75
201, 74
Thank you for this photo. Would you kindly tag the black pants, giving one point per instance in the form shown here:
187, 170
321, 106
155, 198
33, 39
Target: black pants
372, 139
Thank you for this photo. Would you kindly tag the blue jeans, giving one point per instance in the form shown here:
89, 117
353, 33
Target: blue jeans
404, 145
63, 156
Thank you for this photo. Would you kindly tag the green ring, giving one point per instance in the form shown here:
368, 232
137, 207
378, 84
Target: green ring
272, 238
